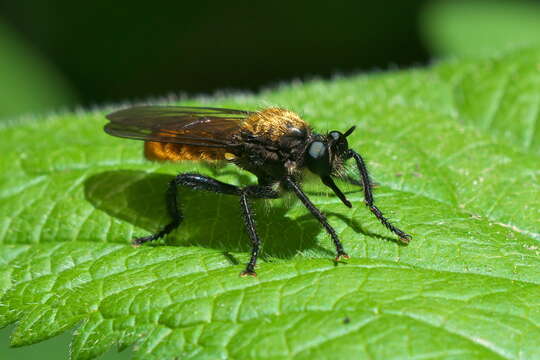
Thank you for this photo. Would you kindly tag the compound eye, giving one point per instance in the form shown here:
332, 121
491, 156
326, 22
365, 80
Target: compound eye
317, 150
318, 160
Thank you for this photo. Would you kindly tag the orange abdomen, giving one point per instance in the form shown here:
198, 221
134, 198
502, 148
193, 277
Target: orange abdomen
176, 152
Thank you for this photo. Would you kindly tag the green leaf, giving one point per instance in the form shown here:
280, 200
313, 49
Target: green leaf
499, 96
456, 165
476, 28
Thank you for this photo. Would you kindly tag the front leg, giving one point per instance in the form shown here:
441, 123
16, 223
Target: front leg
368, 196
291, 184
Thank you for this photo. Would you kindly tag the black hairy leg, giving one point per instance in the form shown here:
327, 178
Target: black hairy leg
328, 181
291, 184
193, 181
205, 183
253, 192
368, 197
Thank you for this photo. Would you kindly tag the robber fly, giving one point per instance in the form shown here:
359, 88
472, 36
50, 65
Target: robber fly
274, 144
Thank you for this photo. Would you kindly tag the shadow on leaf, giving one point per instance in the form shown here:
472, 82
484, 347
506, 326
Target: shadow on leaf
355, 224
210, 220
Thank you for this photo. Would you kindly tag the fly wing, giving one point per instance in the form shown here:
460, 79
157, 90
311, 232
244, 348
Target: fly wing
197, 126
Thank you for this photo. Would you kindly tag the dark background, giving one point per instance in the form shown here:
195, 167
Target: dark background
112, 50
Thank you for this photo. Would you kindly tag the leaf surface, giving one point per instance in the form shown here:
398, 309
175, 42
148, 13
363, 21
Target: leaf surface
467, 286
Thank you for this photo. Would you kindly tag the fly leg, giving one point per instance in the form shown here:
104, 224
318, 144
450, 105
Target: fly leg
368, 197
291, 184
205, 183
257, 192
193, 181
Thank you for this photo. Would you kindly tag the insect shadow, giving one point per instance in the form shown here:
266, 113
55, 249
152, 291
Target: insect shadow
210, 220
356, 224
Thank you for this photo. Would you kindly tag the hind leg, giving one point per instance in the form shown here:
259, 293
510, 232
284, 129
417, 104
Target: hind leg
205, 183
192, 181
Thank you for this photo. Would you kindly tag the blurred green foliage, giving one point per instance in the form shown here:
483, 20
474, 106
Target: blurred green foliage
480, 27
28, 84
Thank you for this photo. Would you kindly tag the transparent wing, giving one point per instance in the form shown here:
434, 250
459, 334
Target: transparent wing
198, 126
